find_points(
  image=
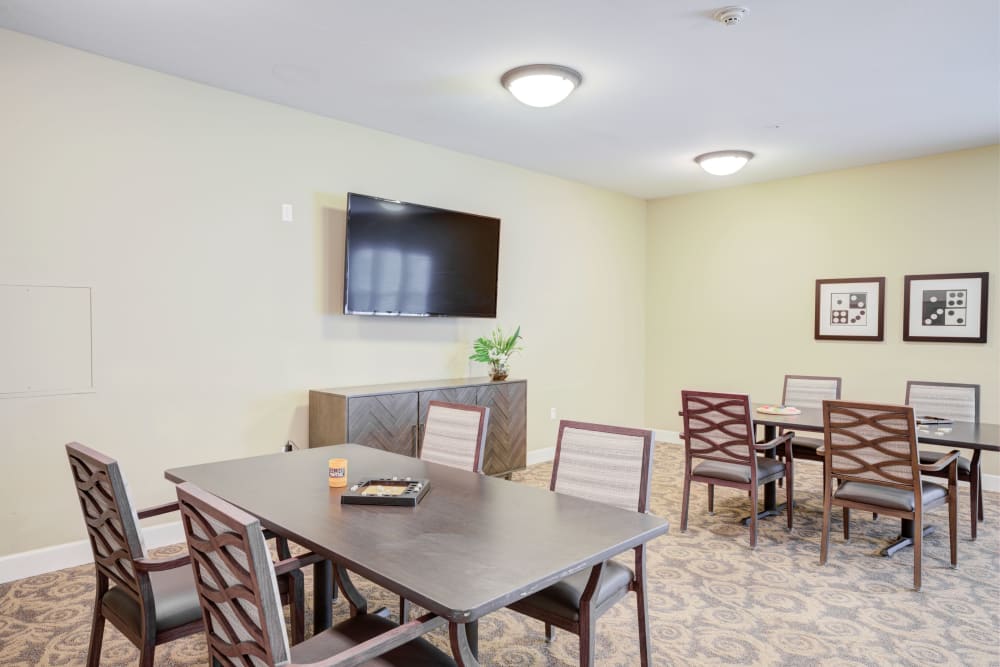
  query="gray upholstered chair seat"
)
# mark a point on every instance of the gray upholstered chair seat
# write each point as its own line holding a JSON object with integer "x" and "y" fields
{"x": 964, "y": 464}
{"x": 886, "y": 496}
{"x": 563, "y": 598}
{"x": 175, "y": 595}
{"x": 352, "y": 632}
{"x": 734, "y": 472}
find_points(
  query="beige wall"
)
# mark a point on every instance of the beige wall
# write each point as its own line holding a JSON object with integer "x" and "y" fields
{"x": 212, "y": 318}
{"x": 731, "y": 279}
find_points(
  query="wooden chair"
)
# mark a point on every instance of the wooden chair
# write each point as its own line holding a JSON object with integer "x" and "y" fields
{"x": 151, "y": 601}
{"x": 809, "y": 391}
{"x": 455, "y": 435}
{"x": 238, "y": 597}
{"x": 872, "y": 451}
{"x": 959, "y": 402}
{"x": 719, "y": 432}
{"x": 611, "y": 465}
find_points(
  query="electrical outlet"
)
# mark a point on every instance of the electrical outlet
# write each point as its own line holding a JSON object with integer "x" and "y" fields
{"x": 552, "y": 413}
{"x": 287, "y": 214}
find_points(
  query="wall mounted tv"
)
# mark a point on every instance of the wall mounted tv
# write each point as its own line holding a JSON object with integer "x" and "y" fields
{"x": 419, "y": 261}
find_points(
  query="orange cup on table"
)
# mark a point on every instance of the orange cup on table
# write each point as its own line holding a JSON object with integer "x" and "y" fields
{"x": 338, "y": 472}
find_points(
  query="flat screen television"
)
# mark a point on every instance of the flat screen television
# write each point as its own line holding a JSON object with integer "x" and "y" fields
{"x": 419, "y": 261}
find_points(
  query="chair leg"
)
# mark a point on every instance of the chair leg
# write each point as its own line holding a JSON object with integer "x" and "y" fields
{"x": 297, "y": 606}
{"x": 918, "y": 539}
{"x": 588, "y": 629}
{"x": 789, "y": 495}
{"x": 824, "y": 544}
{"x": 97, "y": 625}
{"x": 753, "y": 518}
{"x": 146, "y": 653}
{"x": 711, "y": 498}
{"x": 953, "y": 522}
{"x": 847, "y": 524}
{"x": 548, "y": 632}
{"x": 974, "y": 502}
{"x": 979, "y": 485}
{"x": 684, "y": 503}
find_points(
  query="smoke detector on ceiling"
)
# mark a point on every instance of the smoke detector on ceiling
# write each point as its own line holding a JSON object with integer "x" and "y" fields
{"x": 731, "y": 15}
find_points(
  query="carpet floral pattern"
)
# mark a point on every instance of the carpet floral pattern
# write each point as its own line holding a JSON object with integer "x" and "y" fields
{"x": 712, "y": 601}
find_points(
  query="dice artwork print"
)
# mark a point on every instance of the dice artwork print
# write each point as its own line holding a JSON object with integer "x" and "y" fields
{"x": 849, "y": 309}
{"x": 944, "y": 307}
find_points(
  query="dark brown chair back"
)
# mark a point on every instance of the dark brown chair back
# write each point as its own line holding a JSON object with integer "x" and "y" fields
{"x": 235, "y": 579}
{"x": 112, "y": 523}
{"x": 718, "y": 427}
{"x": 871, "y": 443}
{"x": 607, "y": 464}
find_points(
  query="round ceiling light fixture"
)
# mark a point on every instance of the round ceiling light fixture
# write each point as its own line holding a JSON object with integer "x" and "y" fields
{"x": 541, "y": 85}
{"x": 723, "y": 163}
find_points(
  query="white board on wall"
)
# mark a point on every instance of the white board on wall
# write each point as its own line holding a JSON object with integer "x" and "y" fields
{"x": 46, "y": 340}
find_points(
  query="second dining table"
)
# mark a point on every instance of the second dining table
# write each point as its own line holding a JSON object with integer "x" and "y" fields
{"x": 473, "y": 545}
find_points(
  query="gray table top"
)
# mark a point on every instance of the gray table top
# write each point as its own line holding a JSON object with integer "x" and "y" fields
{"x": 967, "y": 435}
{"x": 473, "y": 545}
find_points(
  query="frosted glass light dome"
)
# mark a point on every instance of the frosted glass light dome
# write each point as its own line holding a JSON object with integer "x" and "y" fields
{"x": 541, "y": 85}
{"x": 723, "y": 163}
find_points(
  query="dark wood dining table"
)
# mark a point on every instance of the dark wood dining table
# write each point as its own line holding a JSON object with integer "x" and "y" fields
{"x": 473, "y": 545}
{"x": 977, "y": 437}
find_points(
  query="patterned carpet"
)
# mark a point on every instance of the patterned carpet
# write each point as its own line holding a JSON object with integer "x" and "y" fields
{"x": 713, "y": 601}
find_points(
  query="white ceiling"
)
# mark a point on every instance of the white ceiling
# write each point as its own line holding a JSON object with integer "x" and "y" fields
{"x": 808, "y": 86}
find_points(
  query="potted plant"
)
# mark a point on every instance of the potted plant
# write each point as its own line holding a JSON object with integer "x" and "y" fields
{"x": 496, "y": 350}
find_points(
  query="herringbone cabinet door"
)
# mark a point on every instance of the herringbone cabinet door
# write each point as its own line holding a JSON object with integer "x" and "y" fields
{"x": 460, "y": 395}
{"x": 506, "y": 441}
{"x": 383, "y": 422}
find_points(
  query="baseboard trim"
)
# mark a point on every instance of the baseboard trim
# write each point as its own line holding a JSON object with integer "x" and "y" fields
{"x": 71, "y": 554}
{"x": 543, "y": 455}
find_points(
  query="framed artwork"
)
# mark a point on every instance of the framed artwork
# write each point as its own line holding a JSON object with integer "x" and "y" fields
{"x": 945, "y": 307}
{"x": 849, "y": 309}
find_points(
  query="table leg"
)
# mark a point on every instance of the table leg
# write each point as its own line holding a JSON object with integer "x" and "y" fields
{"x": 472, "y": 635}
{"x": 460, "y": 644}
{"x": 322, "y": 596}
{"x": 905, "y": 538}
{"x": 771, "y": 506}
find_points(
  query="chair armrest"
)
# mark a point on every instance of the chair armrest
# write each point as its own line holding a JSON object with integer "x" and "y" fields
{"x": 383, "y": 643}
{"x": 941, "y": 463}
{"x": 161, "y": 564}
{"x": 156, "y": 510}
{"x": 296, "y": 563}
{"x": 784, "y": 438}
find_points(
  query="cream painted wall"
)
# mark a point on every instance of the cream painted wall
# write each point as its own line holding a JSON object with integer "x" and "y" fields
{"x": 731, "y": 280}
{"x": 212, "y": 318}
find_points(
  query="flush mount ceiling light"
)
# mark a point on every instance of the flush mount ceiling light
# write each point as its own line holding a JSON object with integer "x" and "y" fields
{"x": 541, "y": 85}
{"x": 723, "y": 163}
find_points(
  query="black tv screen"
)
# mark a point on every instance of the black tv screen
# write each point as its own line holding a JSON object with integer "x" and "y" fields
{"x": 408, "y": 259}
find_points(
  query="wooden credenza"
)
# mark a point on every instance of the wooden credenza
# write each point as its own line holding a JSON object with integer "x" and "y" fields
{"x": 390, "y": 416}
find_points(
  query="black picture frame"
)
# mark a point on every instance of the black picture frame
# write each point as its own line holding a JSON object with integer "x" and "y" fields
{"x": 946, "y": 307}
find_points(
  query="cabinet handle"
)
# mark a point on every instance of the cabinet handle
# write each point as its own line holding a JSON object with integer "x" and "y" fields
{"x": 414, "y": 430}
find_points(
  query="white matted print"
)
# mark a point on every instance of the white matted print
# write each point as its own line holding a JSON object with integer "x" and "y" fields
{"x": 849, "y": 309}
{"x": 947, "y": 307}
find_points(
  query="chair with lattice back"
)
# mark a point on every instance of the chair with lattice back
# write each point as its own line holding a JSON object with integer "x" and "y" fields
{"x": 238, "y": 596}
{"x": 719, "y": 433}
{"x": 871, "y": 450}
{"x": 151, "y": 601}
{"x": 455, "y": 435}
{"x": 611, "y": 465}
{"x": 957, "y": 402}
